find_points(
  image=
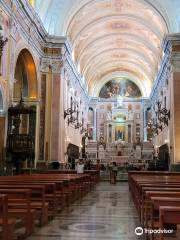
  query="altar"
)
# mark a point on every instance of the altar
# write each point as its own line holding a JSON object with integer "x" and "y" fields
{"x": 120, "y": 160}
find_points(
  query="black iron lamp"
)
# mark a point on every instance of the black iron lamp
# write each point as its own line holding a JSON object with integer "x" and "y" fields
{"x": 154, "y": 126}
{"x": 70, "y": 110}
{"x": 163, "y": 114}
{"x": 3, "y": 42}
{"x": 78, "y": 124}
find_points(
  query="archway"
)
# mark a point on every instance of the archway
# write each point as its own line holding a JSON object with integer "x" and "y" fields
{"x": 25, "y": 77}
{"x": 25, "y": 86}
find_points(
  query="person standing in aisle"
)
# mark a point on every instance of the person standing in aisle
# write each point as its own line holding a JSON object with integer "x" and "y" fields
{"x": 113, "y": 173}
{"x": 80, "y": 166}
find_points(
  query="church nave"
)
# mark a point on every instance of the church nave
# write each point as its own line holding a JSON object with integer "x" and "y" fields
{"x": 106, "y": 213}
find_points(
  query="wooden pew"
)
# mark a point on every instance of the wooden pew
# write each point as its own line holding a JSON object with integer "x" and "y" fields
{"x": 51, "y": 186}
{"x": 95, "y": 175}
{"x": 137, "y": 182}
{"x": 7, "y": 225}
{"x": 156, "y": 203}
{"x": 44, "y": 190}
{"x": 169, "y": 215}
{"x": 71, "y": 189}
{"x": 56, "y": 185}
{"x": 24, "y": 216}
{"x": 152, "y": 191}
{"x": 139, "y": 196}
{"x": 147, "y": 201}
{"x": 37, "y": 198}
{"x": 50, "y": 190}
{"x": 156, "y": 190}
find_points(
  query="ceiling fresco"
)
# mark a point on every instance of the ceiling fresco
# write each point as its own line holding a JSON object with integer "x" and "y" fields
{"x": 120, "y": 87}
{"x": 111, "y": 37}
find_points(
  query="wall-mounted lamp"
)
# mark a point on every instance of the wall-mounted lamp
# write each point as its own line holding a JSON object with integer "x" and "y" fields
{"x": 162, "y": 113}
{"x": 70, "y": 110}
{"x": 154, "y": 126}
{"x": 3, "y": 42}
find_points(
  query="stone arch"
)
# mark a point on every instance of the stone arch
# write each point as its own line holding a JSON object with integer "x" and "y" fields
{"x": 25, "y": 77}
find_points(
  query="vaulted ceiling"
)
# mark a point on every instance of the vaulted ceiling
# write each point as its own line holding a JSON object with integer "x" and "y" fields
{"x": 112, "y": 38}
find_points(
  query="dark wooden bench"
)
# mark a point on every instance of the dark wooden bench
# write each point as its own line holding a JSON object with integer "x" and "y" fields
{"x": 150, "y": 192}
{"x": 37, "y": 198}
{"x": 67, "y": 187}
{"x": 147, "y": 201}
{"x": 7, "y": 225}
{"x": 136, "y": 183}
{"x": 169, "y": 215}
{"x": 19, "y": 208}
{"x": 48, "y": 193}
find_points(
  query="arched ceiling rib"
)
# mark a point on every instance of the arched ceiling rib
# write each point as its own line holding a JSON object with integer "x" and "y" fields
{"x": 110, "y": 59}
{"x": 115, "y": 22}
{"x": 117, "y": 40}
{"x": 118, "y": 64}
{"x": 114, "y": 53}
{"x": 116, "y": 18}
{"x": 111, "y": 36}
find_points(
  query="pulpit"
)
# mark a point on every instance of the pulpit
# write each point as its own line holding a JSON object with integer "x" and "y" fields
{"x": 21, "y": 135}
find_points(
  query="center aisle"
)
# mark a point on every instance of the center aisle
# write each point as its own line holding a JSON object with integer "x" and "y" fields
{"x": 106, "y": 213}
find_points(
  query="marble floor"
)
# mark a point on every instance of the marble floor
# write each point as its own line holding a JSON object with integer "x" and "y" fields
{"x": 106, "y": 213}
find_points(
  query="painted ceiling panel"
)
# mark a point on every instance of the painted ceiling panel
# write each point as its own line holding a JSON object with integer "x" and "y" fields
{"x": 101, "y": 18}
{"x": 111, "y": 37}
{"x": 118, "y": 40}
{"x": 128, "y": 48}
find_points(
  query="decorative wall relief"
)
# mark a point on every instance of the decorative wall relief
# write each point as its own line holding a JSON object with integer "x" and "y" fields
{"x": 120, "y": 87}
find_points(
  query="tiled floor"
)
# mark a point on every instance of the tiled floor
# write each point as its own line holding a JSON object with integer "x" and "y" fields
{"x": 107, "y": 213}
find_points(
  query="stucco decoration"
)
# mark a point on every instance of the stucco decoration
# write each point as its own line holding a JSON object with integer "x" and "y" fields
{"x": 55, "y": 65}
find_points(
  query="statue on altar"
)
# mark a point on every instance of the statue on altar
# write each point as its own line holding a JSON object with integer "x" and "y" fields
{"x": 130, "y": 115}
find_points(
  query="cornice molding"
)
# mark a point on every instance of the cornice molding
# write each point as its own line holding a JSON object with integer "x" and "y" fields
{"x": 164, "y": 71}
{"x": 170, "y": 63}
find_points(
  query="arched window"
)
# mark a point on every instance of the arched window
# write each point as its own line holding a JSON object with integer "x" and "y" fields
{"x": 25, "y": 76}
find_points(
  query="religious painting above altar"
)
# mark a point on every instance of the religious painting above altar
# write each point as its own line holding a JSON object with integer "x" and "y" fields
{"x": 120, "y": 87}
{"x": 120, "y": 133}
